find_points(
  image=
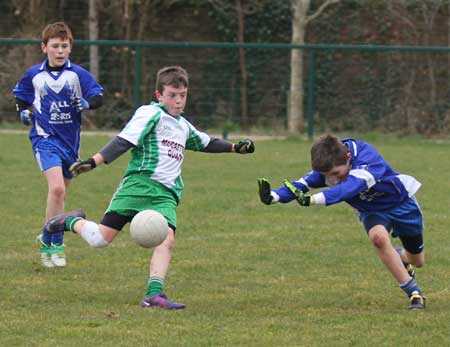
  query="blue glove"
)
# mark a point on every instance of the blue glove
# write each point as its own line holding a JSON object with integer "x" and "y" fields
{"x": 26, "y": 116}
{"x": 80, "y": 104}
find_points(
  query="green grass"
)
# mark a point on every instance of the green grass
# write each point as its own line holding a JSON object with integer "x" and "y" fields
{"x": 251, "y": 275}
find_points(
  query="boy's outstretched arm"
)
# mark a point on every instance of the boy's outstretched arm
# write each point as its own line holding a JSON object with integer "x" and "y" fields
{"x": 114, "y": 149}
{"x": 217, "y": 145}
{"x": 286, "y": 193}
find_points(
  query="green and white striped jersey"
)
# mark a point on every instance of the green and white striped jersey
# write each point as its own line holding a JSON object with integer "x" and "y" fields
{"x": 160, "y": 141}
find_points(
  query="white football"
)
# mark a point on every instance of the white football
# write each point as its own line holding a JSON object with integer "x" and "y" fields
{"x": 148, "y": 228}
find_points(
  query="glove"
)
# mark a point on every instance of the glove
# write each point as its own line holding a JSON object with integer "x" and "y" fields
{"x": 302, "y": 198}
{"x": 244, "y": 147}
{"x": 80, "y": 104}
{"x": 82, "y": 166}
{"x": 25, "y": 117}
{"x": 264, "y": 191}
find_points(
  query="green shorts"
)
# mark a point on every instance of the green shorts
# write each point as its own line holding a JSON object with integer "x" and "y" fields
{"x": 138, "y": 192}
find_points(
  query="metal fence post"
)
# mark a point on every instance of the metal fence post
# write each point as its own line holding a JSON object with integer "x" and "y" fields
{"x": 137, "y": 75}
{"x": 311, "y": 89}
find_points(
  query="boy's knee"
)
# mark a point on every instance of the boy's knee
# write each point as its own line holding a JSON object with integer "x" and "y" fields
{"x": 58, "y": 191}
{"x": 92, "y": 235}
{"x": 169, "y": 242}
{"x": 418, "y": 260}
{"x": 379, "y": 237}
{"x": 420, "y": 263}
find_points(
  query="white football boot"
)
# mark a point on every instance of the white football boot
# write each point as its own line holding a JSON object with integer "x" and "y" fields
{"x": 58, "y": 256}
{"x": 45, "y": 252}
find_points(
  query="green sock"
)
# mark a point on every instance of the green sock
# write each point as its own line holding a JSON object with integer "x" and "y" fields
{"x": 70, "y": 222}
{"x": 155, "y": 286}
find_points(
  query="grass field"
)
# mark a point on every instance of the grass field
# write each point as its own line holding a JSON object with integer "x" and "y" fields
{"x": 250, "y": 275}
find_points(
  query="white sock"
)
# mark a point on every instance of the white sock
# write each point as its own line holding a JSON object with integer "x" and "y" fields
{"x": 92, "y": 235}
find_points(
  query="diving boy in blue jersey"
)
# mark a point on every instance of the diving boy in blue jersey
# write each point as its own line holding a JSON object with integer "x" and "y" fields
{"x": 59, "y": 92}
{"x": 385, "y": 200}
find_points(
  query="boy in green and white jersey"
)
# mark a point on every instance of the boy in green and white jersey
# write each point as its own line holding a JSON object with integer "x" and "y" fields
{"x": 158, "y": 136}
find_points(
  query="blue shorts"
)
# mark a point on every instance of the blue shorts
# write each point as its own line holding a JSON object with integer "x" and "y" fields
{"x": 404, "y": 222}
{"x": 49, "y": 152}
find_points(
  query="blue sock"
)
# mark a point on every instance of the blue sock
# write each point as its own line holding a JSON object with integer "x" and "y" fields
{"x": 58, "y": 238}
{"x": 46, "y": 237}
{"x": 410, "y": 286}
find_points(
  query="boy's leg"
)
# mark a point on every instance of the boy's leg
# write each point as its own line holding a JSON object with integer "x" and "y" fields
{"x": 159, "y": 264}
{"x": 56, "y": 192}
{"x": 55, "y": 205}
{"x": 413, "y": 249}
{"x": 128, "y": 200}
{"x": 417, "y": 260}
{"x": 162, "y": 254}
{"x": 407, "y": 223}
{"x": 96, "y": 235}
{"x": 58, "y": 255}
{"x": 379, "y": 237}
{"x": 410, "y": 268}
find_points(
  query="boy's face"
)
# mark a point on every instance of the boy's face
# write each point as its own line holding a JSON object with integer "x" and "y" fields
{"x": 57, "y": 50}
{"x": 338, "y": 173}
{"x": 173, "y": 98}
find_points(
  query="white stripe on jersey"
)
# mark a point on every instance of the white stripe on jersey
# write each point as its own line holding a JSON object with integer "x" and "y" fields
{"x": 364, "y": 175}
{"x": 302, "y": 181}
{"x": 410, "y": 183}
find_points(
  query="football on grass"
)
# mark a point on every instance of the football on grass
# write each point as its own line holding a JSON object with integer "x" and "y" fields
{"x": 148, "y": 228}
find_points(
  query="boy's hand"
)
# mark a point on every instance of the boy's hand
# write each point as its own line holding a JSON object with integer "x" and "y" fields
{"x": 80, "y": 104}
{"x": 244, "y": 147}
{"x": 264, "y": 191}
{"x": 26, "y": 116}
{"x": 302, "y": 198}
{"x": 82, "y": 166}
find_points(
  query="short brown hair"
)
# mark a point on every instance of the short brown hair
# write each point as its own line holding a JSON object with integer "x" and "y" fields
{"x": 57, "y": 30}
{"x": 174, "y": 76}
{"x": 328, "y": 151}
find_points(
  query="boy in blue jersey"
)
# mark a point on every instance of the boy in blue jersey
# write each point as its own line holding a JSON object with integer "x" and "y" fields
{"x": 384, "y": 199}
{"x": 59, "y": 92}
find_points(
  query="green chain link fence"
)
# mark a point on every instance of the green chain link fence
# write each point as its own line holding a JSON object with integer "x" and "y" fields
{"x": 347, "y": 88}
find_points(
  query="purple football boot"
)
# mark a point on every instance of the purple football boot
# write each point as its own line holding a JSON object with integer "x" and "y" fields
{"x": 58, "y": 223}
{"x": 161, "y": 301}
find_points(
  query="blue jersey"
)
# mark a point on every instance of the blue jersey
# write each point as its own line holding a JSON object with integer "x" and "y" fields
{"x": 51, "y": 94}
{"x": 372, "y": 185}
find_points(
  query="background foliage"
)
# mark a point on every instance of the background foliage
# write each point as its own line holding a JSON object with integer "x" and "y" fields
{"x": 400, "y": 91}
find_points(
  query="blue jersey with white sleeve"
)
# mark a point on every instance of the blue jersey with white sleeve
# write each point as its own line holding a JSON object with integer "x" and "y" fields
{"x": 51, "y": 93}
{"x": 372, "y": 185}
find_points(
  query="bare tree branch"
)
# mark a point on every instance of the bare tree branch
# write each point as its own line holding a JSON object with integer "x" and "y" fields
{"x": 320, "y": 10}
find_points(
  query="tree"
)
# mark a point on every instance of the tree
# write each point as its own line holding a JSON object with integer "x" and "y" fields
{"x": 300, "y": 21}
{"x": 93, "y": 35}
{"x": 240, "y": 10}
{"x": 420, "y": 19}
